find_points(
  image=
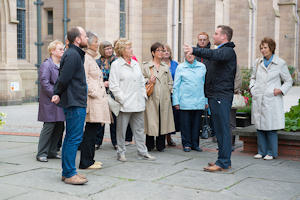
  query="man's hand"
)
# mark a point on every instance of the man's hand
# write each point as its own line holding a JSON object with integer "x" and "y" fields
{"x": 55, "y": 99}
{"x": 206, "y": 106}
{"x": 188, "y": 49}
{"x": 177, "y": 107}
{"x": 277, "y": 92}
{"x": 106, "y": 84}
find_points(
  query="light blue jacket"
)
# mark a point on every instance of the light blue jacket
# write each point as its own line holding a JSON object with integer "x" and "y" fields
{"x": 188, "y": 88}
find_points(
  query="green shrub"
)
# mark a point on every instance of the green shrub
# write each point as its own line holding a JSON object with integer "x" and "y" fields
{"x": 2, "y": 116}
{"x": 292, "y": 118}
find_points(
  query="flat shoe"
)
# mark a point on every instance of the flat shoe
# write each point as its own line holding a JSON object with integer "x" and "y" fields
{"x": 55, "y": 157}
{"x": 80, "y": 175}
{"x": 186, "y": 149}
{"x": 171, "y": 143}
{"x": 42, "y": 159}
{"x": 214, "y": 168}
{"x": 212, "y": 164}
{"x": 197, "y": 149}
{"x": 95, "y": 166}
{"x": 75, "y": 180}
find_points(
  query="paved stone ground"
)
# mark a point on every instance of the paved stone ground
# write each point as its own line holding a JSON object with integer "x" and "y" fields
{"x": 174, "y": 175}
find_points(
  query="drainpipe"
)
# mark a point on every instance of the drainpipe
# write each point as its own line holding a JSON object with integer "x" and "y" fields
{"x": 173, "y": 26}
{"x": 39, "y": 42}
{"x": 297, "y": 41}
{"x": 65, "y": 19}
{"x": 253, "y": 30}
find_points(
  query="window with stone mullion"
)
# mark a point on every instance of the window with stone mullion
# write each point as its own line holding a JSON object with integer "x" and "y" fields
{"x": 122, "y": 19}
{"x": 21, "y": 29}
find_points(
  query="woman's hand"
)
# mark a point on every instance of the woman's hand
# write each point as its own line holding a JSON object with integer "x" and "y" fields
{"x": 106, "y": 84}
{"x": 277, "y": 92}
{"x": 177, "y": 107}
{"x": 152, "y": 79}
{"x": 206, "y": 106}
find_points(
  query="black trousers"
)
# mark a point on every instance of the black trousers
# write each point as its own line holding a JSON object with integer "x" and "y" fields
{"x": 160, "y": 139}
{"x": 190, "y": 127}
{"x": 87, "y": 146}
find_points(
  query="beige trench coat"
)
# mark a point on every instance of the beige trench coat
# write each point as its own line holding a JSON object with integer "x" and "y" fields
{"x": 267, "y": 109}
{"x": 97, "y": 103}
{"x": 161, "y": 96}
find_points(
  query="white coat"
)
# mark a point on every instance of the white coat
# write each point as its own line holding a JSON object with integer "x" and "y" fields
{"x": 127, "y": 84}
{"x": 267, "y": 109}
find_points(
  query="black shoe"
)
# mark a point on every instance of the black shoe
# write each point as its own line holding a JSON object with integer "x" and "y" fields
{"x": 197, "y": 149}
{"x": 97, "y": 146}
{"x": 55, "y": 157}
{"x": 42, "y": 159}
{"x": 115, "y": 147}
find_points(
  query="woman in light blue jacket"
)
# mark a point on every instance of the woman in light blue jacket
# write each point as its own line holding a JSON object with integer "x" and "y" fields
{"x": 188, "y": 97}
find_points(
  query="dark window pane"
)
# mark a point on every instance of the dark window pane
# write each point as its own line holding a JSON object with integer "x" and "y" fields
{"x": 21, "y": 3}
{"x": 122, "y": 5}
{"x": 21, "y": 34}
{"x": 122, "y": 25}
{"x": 50, "y": 22}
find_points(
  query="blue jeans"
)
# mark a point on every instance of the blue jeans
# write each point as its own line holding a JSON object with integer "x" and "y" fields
{"x": 220, "y": 111}
{"x": 75, "y": 117}
{"x": 190, "y": 122}
{"x": 267, "y": 143}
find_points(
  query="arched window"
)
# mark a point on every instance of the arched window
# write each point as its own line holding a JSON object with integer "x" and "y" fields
{"x": 21, "y": 29}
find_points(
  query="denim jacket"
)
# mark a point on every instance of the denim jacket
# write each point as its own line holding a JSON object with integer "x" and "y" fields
{"x": 188, "y": 89}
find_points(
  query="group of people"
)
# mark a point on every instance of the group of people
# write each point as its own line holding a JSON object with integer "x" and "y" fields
{"x": 78, "y": 88}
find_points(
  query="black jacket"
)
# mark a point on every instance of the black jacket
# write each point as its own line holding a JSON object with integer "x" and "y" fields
{"x": 71, "y": 83}
{"x": 207, "y": 64}
{"x": 221, "y": 72}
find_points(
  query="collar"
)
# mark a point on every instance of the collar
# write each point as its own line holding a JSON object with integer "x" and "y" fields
{"x": 221, "y": 45}
{"x": 123, "y": 62}
{"x": 78, "y": 49}
{"x": 189, "y": 65}
{"x": 91, "y": 52}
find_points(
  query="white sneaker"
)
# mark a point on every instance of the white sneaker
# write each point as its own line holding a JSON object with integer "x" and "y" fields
{"x": 258, "y": 156}
{"x": 147, "y": 157}
{"x": 122, "y": 158}
{"x": 267, "y": 157}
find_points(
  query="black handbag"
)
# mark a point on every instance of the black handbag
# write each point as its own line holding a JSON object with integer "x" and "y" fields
{"x": 206, "y": 130}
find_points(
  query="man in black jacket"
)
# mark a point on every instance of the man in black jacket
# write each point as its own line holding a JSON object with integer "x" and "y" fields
{"x": 70, "y": 92}
{"x": 219, "y": 91}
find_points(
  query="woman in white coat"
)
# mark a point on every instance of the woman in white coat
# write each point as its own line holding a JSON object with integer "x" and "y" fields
{"x": 270, "y": 80}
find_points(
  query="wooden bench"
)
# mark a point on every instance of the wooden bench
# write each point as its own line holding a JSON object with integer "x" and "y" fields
{"x": 288, "y": 142}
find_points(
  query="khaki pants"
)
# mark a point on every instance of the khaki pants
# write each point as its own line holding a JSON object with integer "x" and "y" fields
{"x": 136, "y": 121}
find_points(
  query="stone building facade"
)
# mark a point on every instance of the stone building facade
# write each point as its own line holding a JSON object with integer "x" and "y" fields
{"x": 143, "y": 22}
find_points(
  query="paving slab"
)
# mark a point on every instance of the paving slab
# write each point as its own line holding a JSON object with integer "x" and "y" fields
{"x": 201, "y": 180}
{"x": 10, "y": 191}
{"x": 271, "y": 173}
{"x": 139, "y": 171}
{"x": 45, "y": 195}
{"x": 49, "y": 180}
{"x": 267, "y": 189}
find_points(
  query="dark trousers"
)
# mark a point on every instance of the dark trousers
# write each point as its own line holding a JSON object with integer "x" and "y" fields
{"x": 49, "y": 137}
{"x": 113, "y": 133}
{"x": 190, "y": 123}
{"x": 232, "y": 124}
{"x": 159, "y": 140}
{"x": 220, "y": 110}
{"x": 87, "y": 146}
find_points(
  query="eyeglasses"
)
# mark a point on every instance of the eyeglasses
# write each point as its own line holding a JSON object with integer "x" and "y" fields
{"x": 160, "y": 50}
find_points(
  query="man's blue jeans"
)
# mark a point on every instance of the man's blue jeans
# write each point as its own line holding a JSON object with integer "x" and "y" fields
{"x": 267, "y": 142}
{"x": 75, "y": 117}
{"x": 220, "y": 111}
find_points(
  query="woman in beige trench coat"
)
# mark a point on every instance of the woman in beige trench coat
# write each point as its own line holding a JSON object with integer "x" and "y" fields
{"x": 159, "y": 119}
{"x": 97, "y": 105}
{"x": 267, "y": 98}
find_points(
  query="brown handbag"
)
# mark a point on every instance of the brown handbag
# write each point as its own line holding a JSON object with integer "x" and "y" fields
{"x": 150, "y": 85}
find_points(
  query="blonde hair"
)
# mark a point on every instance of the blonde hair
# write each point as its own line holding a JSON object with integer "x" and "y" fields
{"x": 121, "y": 46}
{"x": 53, "y": 44}
{"x": 169, "y": 50}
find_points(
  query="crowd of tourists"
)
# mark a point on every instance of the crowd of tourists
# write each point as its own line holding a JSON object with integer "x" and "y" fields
{"x": 88, "y": 84}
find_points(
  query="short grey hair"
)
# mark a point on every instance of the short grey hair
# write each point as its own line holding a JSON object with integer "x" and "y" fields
{"x": 91, "y": 37}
